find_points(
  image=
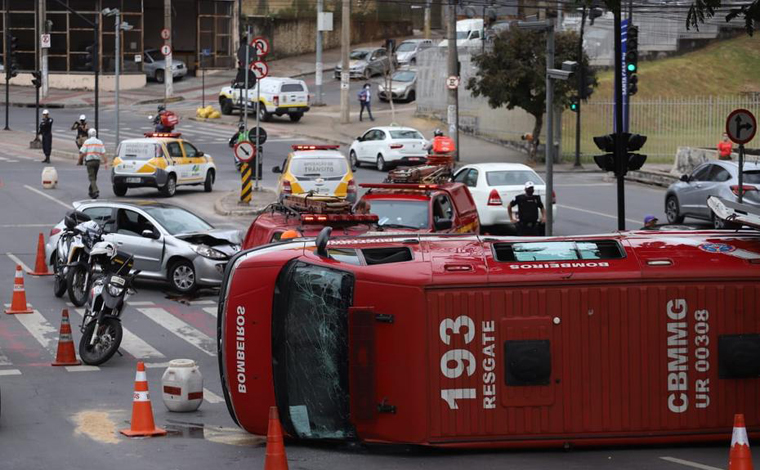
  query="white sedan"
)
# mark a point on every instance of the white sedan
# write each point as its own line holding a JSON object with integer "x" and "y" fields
{"x": 386, "y": 146}
{"x": 494, "y": 185}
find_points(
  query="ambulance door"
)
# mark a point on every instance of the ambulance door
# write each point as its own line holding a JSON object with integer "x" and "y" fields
{"x": 177, "y": 159}
{"x": 194, "y": 162}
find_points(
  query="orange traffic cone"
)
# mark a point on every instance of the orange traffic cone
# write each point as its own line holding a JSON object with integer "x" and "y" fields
{"x": 40, "y": 265}
{"x": 275, "y": 457}
{"x": 66, "y": 355}
{"x": 18, "y": 302}
{"x": 142, "y": 411}
{"x": 740, "y": 457}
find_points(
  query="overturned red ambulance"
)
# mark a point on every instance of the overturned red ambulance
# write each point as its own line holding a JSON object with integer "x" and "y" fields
{"x": 467, "y": 341}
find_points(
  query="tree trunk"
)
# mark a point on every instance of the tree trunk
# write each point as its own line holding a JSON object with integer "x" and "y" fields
{"x": 539, "y": 121}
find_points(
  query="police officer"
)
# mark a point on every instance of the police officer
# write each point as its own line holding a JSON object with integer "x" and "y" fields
{"x": 46, "y": 132}
{"x": 528, "y": 205}
{"x": 91, "y": 153}
{"x": 81, "y": 127}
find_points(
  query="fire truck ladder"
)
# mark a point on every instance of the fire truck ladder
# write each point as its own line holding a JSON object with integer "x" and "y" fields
{"x": 437, "y": 170}
{"x": 317, "y": 204}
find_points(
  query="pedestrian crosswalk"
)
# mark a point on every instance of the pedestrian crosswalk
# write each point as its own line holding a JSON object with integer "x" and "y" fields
{"x": 35, "y": 337}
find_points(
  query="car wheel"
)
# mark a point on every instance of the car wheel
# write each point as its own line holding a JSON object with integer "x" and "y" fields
{"x": 381, "y": 165}
{"x": 672, "y": 212}
{"x": 295, "y": 117}
{"x": 182, "y": 277}
{"x": 264, "y": 116}
{"x": 119, "y": 190}
{"x": 170, "y": 187}
{"x": 367, "y": 74}
{"x": 208, "y": 185}
{"x": 413, "y": 62}
{"x": 353, "y": 160}
{"x": 160, "y": 76}
{"x": 226, "y": 106}
{"x": 412, "y": 96}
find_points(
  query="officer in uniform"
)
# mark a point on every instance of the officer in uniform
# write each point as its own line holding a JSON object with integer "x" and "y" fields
{"x": 528, "y": 205}
{"x": 91, "y": 153}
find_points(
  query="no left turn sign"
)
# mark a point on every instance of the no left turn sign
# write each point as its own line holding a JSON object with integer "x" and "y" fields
{"x": 245, "y": 151}
{"x": 741, "y": 126}
{"x": 260, "y": 69}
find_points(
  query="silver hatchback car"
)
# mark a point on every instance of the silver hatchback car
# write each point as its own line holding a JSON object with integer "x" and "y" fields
{"x": 688, "y": 196}
{"x": 169, "y": 243}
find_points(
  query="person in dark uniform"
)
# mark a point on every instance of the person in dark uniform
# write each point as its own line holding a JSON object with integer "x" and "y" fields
{"x": 81, "y": 127}
{"x": 528, "y": 205}
{"x": 46, "y": 132}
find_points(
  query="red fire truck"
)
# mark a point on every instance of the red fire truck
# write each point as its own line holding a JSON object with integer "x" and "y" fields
{"x": 467, "y": 341}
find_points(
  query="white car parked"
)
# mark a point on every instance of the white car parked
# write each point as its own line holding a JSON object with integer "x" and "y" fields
{"x": 494, "y": 185}
{"x": 385, "y": 146}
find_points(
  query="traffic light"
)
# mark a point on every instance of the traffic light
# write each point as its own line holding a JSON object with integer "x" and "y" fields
{"x": 631, "y": 162}
{"x": 632, "y": 59}
{"x": 12, "y": 47}
{"x": 91, "y": 59}
{"x": 574, "y": 104}
{"x": 588, "y": 82}
{"x": 37, "y": 79}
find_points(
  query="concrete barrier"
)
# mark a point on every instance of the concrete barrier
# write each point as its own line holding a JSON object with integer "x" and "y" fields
{"x": 688, "y": 158}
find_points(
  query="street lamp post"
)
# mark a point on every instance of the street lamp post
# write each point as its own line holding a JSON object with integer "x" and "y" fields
{"x": 119, "y": 27}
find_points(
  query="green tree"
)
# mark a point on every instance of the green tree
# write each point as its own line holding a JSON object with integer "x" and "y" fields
{"x": 513, "y": 74}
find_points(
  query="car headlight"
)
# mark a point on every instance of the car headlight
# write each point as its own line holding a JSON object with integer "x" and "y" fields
{"x": 208, "y": 252}
{"x": 356, "y": 68}
{"x": 114, "y": 291}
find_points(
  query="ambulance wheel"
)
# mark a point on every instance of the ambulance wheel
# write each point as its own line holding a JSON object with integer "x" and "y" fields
{"x": 160, "y": 76}
{"x": 353, "y": 160}
{"x": 381, "y": 165}
{"x": 208, "y": 185}
{"x": 672, "y": 212}
{"x": 295, "y": 117}
{"x": 119, "y": 190}
{"x": 182, "y": 277}
{"x": 170, "y": 187}
{"x": 226, "y": 106}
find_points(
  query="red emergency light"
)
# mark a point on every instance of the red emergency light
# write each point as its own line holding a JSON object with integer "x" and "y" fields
{"x": 298, "y": 147}
{"x": 419, "y": 187}
{"x": 334, "y": 218}
{"x": 163, "y": 134}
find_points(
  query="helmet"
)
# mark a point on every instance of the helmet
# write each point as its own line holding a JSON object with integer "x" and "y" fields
{"x": 528, "y": 184}
{"x": 241, "y": 126}
{"x": 92, "y": 132}
{"x": 45, "y": 111}
{"x": 82, "y": 117}
{"x": 438, "y": 133}
{"x": 161, "y": 108}
{"x": 104, "y": 248}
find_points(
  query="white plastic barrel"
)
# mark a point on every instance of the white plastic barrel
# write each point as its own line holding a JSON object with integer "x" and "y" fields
{"x": 182, "y": 386}
{"x": 49, "y": 177}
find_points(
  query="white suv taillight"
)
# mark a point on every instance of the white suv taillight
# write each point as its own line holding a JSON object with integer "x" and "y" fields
{"x": 494, "y": 199}
{"x": 286, "y": 189}
{"x": 397, "y": 146}
{"x": 276, "y": 100}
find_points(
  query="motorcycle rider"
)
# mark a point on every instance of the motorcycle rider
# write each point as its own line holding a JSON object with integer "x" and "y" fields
{"x": 81, "y": 127}
{"x": 239, "y": 136}
{"x": 158, "y": 120}
{"x": 441, "y": 145}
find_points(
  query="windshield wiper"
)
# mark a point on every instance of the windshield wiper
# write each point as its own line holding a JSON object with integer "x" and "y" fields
{"x": 397, "y": 226}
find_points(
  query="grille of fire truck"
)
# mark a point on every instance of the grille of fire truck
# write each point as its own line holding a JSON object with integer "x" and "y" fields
{"x": 438, "y": 169}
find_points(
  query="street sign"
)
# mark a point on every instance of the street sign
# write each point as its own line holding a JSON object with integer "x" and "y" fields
{"x": 205, "y": 52}
{"x": 166, "y": 50}
{"x": 165, "y": 34}
{"x": 261, "y": 45}
{"x": 45, "y": 41}
{"x": 245, "y": 151}
{"x": 138, "y": 58}
{"x": 741, "y": 126}
{"x": 251, "y": 53}
{"x": 260, "y": 69}
{"x": 452, "y": 82}
{"x": 262, "y": 135}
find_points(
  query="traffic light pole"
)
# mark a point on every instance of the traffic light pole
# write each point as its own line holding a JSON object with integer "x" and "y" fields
{"x": 581, "y": 85}
{"x": 96, "y": 66}
{"x": 620, "y": 143}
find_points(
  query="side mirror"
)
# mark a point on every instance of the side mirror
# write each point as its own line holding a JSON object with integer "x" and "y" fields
{"x": 150, "y": 234}
{"x": 685, "y": 178}
{"x": 276, "y": 169}
{"x": 443, "y": 224}
{"x": 360, "y": 139}
{"x": 200, "y": 153}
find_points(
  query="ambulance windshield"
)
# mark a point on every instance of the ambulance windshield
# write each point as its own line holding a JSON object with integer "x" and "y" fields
{"x": 310, "y": 350}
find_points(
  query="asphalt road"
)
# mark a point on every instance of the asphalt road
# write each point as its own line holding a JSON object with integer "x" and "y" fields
{"x": 55, "y": 418}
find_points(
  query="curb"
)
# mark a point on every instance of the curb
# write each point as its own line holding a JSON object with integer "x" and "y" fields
{"x": 653, "y": 178}
{"x": 303, "y": 74}
{"x": 173, "y": 99}
{"x": 47, "y": 105}
{"x": 254, "y": 209}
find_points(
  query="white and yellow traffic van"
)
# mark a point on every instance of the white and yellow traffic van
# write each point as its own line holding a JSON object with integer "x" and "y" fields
{"x": 279, "y": 96}
{"x": 163, "y": 161}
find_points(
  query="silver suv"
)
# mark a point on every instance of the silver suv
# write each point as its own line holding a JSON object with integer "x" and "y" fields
{"x": 688, "y": 197}
{"x": 407, "y": 51}
{"x": 154, "y": 65}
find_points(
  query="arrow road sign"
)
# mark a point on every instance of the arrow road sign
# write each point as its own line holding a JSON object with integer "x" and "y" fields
{"x": 741, "y": 126}
{"x": 245, "y": 151}
{"x": 260, "y": 69}
{"x": 261, "y": 45}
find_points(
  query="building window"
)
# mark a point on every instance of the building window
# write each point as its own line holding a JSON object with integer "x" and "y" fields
{"x": 215, "y": 33}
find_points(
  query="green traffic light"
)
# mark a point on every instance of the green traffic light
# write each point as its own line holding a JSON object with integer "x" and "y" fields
{"x": 632, "y": 68}
{"x": 573, "y": 106}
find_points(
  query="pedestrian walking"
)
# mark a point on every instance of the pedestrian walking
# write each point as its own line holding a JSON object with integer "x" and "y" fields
{"x": 46, "y": 132}
{"x": 528, "y": 205}
{"x": 725, "y": 147}
{"x": 650, "y": 223}
{"x": 365, "y": 99}
{"x": 81, "y": 127}
{"x": 91, "y": 154}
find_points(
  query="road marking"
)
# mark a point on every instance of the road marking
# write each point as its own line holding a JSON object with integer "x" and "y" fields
{"x": 10, "y": 372}
{"x": 4, "y": 361}
{"x": 181, "y": 329}
{"x": 211, "y": 311}
{"x": 204, "y": 302}
{"x": 67, "y": 206}
{"x": 82, "y": 368}
{"x": 140, "y": 303}
{"x": 27, "y": 225}
{"x": 579, "y": 185}
{"x": 156, "y": 365}
{"x": 211, "y": 397}
{"x": 16, "y": 260}
{"x": 8, "y": 160}
{"x": 131, "y": 343}
{"x": 600, "y": 214}
{"x": 689, "y": 463}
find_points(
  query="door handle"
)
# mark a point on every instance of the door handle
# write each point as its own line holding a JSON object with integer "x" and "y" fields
{"x": 119, "y": 243}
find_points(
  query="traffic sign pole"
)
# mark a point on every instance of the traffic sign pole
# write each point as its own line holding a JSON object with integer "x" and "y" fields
{"x": 258, "y": 157}
{"x": 245, "y": 190}
{"x": 741, "y": 127}
{"x": 741, "y": 173}
{"x": 247, "y": 64}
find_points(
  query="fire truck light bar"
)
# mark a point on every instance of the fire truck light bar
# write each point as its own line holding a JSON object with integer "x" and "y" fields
{"x": 420, "y": 187}
{"x": 328, "y": 218}
{"x": 314, "y": 147}
{"x": 163, "y": 134}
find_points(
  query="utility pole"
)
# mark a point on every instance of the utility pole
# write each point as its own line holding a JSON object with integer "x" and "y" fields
{"x": 453, "y": 108}
{"x": 581, "y": 85}
{"x": 318, "y": 76}
{"x": 117, "y": 69}
{"x": 44, "y": 52}
{"x": 549, "y": 127}
{"x": 427, "y": 19}
{"x": 168, "y": 75}
{"x": 345, "y": 76}
{"x": 620, "y": 143}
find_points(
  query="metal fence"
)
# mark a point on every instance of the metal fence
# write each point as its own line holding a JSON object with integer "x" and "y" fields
{"x": 668, "y": 123}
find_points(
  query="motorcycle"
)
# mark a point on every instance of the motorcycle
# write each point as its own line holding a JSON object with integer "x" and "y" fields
{"x": 84, "y": 264}
{"x": 63, "y": 251}
{"x": 165, "y": 121}
{"x": 101, "y": 323}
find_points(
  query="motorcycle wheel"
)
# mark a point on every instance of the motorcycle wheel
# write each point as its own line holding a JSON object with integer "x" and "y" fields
{"x": 75, "y": 284}
{"x": 109, "y": 339}
{"x": 59, "y": 282}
